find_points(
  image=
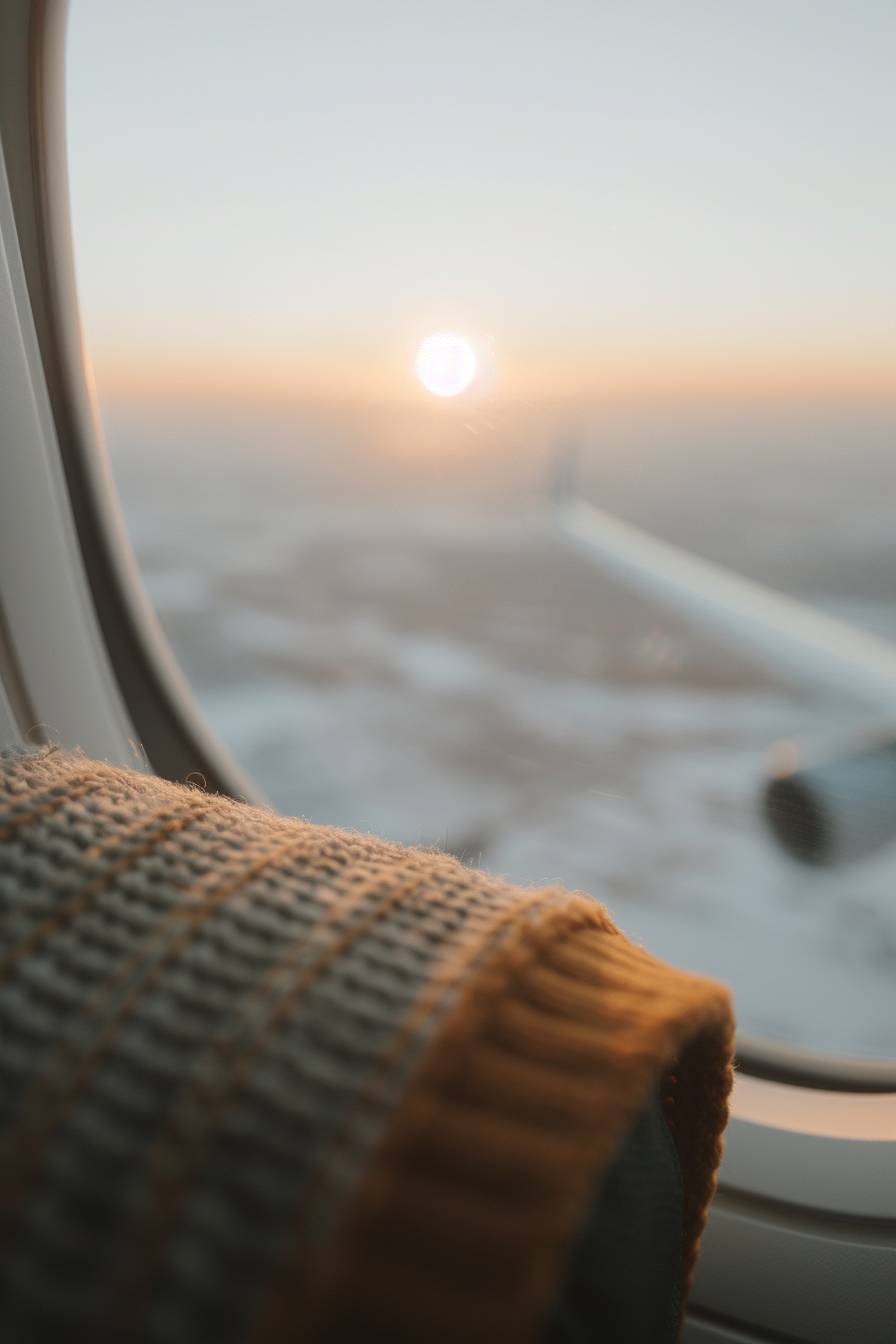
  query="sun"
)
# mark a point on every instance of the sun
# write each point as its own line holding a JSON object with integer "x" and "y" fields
{"x": 446, "y": 364}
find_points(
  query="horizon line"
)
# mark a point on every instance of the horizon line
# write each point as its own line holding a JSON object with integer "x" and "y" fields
{"x": 523, "y": 379}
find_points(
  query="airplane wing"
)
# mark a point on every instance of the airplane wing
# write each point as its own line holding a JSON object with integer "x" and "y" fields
{"x": 822, "y": 809}
{"x": 786, "y": 635}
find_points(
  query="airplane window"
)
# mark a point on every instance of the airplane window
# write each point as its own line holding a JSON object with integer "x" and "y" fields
{"x": 395, "y": 312}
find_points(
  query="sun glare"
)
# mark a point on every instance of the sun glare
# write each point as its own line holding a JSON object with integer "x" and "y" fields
{"x": 446, "y": 364}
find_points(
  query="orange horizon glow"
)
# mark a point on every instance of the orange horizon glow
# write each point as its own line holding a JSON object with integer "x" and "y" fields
{"x": 611, "y": 210}
{"x": 364, "y": 378}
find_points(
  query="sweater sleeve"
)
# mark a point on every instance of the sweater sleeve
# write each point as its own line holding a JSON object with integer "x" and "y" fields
{"x": 262, "y": 1080}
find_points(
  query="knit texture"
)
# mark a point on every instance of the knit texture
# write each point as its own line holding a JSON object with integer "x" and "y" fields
{"x": 263, "y": 1080}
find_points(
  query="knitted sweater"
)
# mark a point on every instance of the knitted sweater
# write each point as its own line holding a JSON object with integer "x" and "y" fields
{"x": 266, "y": 1080}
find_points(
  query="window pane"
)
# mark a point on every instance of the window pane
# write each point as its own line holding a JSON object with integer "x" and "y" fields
{"x": 666, "y": 241}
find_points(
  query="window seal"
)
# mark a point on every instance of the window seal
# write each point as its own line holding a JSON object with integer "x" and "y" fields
{"x": 158, "y": 700}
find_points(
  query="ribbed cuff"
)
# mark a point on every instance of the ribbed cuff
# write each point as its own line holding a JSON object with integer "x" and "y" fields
{"x": 462, "y": 1222}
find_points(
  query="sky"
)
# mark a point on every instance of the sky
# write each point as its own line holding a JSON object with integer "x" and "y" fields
{"x": 605, "y": 197}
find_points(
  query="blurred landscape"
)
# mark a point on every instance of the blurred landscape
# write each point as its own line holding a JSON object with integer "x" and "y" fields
{"x": 378, "y": 618}
{"x": 669, "y": 245}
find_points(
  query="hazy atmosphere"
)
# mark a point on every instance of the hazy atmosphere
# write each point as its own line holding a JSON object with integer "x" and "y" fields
{"x": 665, "y": 236}
{"x": 605, "y": 193}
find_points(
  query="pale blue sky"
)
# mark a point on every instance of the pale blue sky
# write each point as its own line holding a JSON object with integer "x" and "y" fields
{"x": 290, "y": 177}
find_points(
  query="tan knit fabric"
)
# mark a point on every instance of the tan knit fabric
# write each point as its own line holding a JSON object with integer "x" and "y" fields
{"x": 266, "y": 1080}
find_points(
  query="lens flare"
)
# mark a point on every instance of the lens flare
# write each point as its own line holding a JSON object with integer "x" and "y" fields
{"x": 446, "y": 364}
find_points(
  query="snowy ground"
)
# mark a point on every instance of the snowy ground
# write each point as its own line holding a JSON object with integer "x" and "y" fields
{"x": 435, "y": 665}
